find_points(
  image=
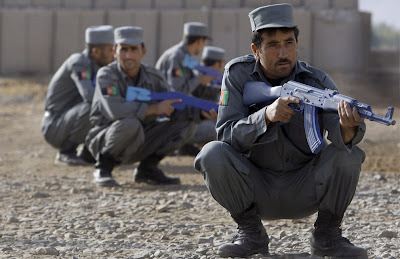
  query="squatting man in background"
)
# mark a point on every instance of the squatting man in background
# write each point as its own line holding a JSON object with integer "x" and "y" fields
{"x": 69, "y": 97}
{"x": 176, "y": 65}
{"x": 127, "y": 131}
{"x": 213, "y": 58}
{"x": 261, "y": 167}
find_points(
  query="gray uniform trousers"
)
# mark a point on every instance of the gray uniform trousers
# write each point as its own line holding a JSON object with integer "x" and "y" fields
{"x": 127, "y": 141}
{"x": 72, "y": 125}
{"x": 328, "y": 182}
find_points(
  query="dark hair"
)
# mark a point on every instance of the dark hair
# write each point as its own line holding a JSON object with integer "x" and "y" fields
{"x": 209, "y": 62}
{"x": 256, "y": 37}
{"x": 188, "y": 40}
{"x": 115, "y": 45}
{"x": 90, "y": 46}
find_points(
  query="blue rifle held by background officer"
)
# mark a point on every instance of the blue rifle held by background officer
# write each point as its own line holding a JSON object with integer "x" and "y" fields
{"x": 192, "y": 63}
{"x": 140, "y": 94}
{"x": 311, "y": 99}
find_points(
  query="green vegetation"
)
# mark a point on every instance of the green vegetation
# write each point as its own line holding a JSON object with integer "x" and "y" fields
{"x": 385, "y": 37}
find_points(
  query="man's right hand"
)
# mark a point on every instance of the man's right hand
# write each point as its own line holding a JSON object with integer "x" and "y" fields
{"x": 162, "y": 108}
{"x": 280, "y": 110}
{"x": 206, "y": 80}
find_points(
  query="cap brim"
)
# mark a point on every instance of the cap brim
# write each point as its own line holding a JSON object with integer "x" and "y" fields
{"x": 277, "y": 25}
{"x": 129, "y": 42}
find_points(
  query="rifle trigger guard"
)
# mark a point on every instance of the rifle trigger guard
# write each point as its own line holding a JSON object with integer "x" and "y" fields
{"x": 297, "y": 107}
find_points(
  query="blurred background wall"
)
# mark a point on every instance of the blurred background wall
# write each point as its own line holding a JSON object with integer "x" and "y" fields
{"x": 36, "y": 36}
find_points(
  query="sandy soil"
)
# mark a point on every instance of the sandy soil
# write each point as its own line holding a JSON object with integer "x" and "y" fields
{"x": 25, "y": 155}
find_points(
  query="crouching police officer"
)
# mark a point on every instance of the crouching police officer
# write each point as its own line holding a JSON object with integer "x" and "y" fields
{"x": 127, "y": 131}
{"x": 69, "y": 96}
{"x": 262, "y": 169}
{"x": 213, "y": 58}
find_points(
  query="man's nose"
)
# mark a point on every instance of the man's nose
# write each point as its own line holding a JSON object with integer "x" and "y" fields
{"x": 283, "y": 52}
{"x": 129, "y": 54}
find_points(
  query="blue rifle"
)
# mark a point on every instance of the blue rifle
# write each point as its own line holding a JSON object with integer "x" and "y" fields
{"x": 192, "y": 63}
{"x": 140, "y": 94}
{"x": 311, "y": 99}
{"x": 210, "y": 71}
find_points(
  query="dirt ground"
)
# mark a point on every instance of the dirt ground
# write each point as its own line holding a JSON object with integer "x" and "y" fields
{"x": 25, "y": 155}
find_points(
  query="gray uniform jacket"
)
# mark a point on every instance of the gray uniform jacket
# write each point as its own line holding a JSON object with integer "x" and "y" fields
{"x": 68, "y": 102}
{"x": 179, "y": 77}
{"x": 72, "y": 83}
{"x": 121, "y": 128}
{"x": 277, "y": 148}
{"x": 109, "y": 99}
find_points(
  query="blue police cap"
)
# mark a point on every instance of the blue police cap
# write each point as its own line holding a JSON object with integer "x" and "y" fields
{"x": 196, "y": 29}
{"x": 99, "y": 34}
{"x": 213, "y": 53}
{"x": 128, "y": 35}
{"x": 272, "y": 16}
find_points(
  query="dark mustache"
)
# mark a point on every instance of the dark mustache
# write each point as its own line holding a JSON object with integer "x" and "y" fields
{"x": 283, "y": 60}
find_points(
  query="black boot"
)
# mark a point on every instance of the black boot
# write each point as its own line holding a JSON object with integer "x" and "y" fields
{"x": 148, "y": 172}
{"x": 103, "y": 168}
{"x": 251, "y": 238}
{"x": 67, "y": 155}
{"x": 327, "y": 239}
{"x": 86, "y": 156}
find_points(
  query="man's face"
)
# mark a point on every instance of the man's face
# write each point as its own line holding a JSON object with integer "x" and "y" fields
{"x": 201, "y": 43}
{"x": 104, "y": 55}
{"x": 277, "y": 54}
{"x": 129, "y": 57}
{"x": 219, "y": 66}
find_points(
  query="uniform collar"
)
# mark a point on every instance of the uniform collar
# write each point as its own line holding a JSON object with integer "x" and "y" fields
{"x": 141, "y": 77}
{"x": 183, "y": 47}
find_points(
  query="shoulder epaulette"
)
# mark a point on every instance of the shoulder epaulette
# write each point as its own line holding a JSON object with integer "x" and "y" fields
{"x": 243, "y": 59}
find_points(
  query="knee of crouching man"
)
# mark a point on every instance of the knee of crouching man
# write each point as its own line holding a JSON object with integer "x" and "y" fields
{"x": 209, "y": 156}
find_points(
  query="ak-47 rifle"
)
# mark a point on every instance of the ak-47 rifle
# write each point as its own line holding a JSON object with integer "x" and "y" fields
{"x": 311, "y": 99}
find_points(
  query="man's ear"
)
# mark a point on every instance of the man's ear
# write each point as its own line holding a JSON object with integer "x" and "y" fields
{"x": 144, "y": 50}
{"x": 256, "y": 51}
{"x": 115, "y": 51}
{"x": 96, "y": 52}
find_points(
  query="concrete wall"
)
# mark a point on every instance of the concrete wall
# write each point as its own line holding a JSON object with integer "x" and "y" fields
{"x": 338, "y": 41}
{"x": 174, "y": 4}
{"x": 26, "y": 41}
{"x": 51, "y": 30}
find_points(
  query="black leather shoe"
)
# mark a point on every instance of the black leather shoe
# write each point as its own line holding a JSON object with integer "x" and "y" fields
{"x": 69, "y": 159}
{"x": 103, "y": 177}
{"x": 251, "y": 238}
{"x": 327, "y": 239}
{"x": 86, "y": 156}
{"x": 153, "y": 176}
{"x": 330, "y": 242}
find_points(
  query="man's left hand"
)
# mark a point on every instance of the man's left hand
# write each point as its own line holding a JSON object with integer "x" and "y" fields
{"x": 211, "y": 115}
{"x": 348, "y": 117}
